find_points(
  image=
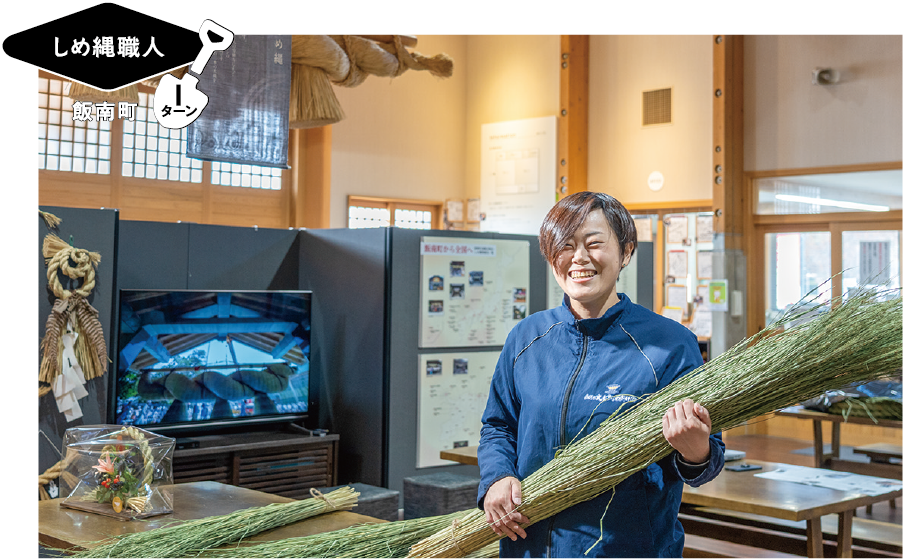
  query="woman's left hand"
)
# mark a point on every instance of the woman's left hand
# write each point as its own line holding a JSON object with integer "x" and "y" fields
{"x": 687, "y": 426}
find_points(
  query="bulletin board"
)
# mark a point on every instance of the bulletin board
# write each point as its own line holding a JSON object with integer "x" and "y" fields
{"x": 452, "y": 392}
{"x": 472, "y": 291}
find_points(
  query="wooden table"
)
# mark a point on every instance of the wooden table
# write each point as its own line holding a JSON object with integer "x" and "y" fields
{"x": 832, "y": 459}
{"x": 67, "y": 528}
{"x": 463, "y": 455}
{"x": 744, "y": 492}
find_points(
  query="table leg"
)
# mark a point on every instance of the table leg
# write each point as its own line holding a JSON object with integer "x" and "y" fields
{"x": 845, "y": 534}
{"x": 819, "y": 445}
{"x": 835, "y": 442}
{"x": 815, "y": 546}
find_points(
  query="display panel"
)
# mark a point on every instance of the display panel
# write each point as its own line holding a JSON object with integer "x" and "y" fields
{"x": 205, "y": 358}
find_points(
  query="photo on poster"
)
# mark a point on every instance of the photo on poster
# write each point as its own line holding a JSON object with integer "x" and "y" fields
{"x": 457, "y": 268}
{"x": 460, "y": 444}
{"x": 476, "y": 278}
{"x": 459, "y": 366}
{"x": 456, "y": 290}
{"x": 520, "y": 312}
{"x": 433, "y": 367}
{"x": 520, "y": 295}
{"x": 435, "y": 307}
{"x": 437, "y": 283}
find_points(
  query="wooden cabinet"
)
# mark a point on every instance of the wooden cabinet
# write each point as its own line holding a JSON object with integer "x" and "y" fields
{"x": 286, "y": 464}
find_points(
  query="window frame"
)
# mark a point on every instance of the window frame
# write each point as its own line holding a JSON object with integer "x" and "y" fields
{"x": 392, "y": 204}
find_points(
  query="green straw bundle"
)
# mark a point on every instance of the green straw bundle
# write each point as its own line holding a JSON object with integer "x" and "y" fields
{"x": 856, "y": 341}
{"x": 385, "y": 539}
{"x": 188, "y": 538}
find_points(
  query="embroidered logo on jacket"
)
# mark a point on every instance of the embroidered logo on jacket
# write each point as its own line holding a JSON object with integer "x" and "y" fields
{"x": 611, "y": 395}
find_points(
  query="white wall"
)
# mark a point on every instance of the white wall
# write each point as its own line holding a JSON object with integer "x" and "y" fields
{"x": 510, "y": 77}
{"x": 790, "y": 123}
{"x": 622, "y": 153}
{"x": 402, "y": 137}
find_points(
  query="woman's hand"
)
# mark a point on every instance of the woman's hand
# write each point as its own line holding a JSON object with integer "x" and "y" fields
{"x": 502, "y": 498}
{"x": 687, "y": 426}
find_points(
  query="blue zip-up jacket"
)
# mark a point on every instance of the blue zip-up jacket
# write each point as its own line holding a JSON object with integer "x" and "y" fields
{"x": 553, "y": 372}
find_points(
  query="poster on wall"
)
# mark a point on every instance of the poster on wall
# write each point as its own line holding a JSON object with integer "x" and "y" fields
{"x": 517, "y": 174}
{"x": 472, "y": 291}
{"x": 452, "y": 393}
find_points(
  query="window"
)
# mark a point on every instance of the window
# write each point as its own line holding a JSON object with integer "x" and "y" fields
{"x": 364, "y": 212}
{"x": 154, "y": 152}
{"x": 64, "y": 144}
{"x": 248, "y": 176}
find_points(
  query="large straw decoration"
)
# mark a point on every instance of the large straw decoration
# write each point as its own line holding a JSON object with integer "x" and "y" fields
{"x": 856, "y": 341}
{"x": 71, "y": 308}
{"x": 189, "y": 538}
{"x": 318, "y": 61}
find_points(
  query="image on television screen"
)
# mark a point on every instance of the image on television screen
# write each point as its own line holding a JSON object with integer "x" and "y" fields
{"x": 192, "y": 356}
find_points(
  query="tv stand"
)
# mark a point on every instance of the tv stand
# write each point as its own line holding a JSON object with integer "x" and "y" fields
{"x": 281, "y": 462}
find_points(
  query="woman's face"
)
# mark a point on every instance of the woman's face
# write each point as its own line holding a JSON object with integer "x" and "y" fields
{"x": 588, "y": 266}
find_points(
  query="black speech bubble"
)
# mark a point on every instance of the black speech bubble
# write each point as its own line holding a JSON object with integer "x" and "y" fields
{"x": 42, "y": 46}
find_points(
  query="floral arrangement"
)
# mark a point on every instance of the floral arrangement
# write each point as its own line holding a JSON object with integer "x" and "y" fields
{"x": 119, "y": 471}
{"x": 117, "y": 482}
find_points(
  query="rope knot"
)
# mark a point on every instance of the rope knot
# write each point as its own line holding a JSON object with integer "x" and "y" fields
{"x": 316, "y": 494}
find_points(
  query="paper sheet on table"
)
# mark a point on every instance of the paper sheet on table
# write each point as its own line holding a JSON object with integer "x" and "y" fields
{"x": 831, "y": 479}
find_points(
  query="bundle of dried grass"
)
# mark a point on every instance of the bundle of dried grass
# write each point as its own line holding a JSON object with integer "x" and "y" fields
{"x": 191, "y": 537}
{"x": 385, "y": 539}
{"x": 858, "y": 340}
{"x": 50, "y": 220}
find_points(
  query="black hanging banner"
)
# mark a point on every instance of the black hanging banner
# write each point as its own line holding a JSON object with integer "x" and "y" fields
{"x": 246, "y": 118}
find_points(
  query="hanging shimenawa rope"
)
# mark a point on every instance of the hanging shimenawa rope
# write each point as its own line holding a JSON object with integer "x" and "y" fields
{"x": 71, "y": 307}
{"x": 856, "y": 341}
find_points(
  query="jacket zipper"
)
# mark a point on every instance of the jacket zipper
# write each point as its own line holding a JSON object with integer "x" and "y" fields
{"x": 564, "y": 411}
{"x": 562, "y": 438}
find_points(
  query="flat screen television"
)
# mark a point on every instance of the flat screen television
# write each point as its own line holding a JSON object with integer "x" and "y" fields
{"x": 189, "y": 361}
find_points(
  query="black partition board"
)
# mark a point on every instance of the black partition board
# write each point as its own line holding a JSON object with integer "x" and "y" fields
{"x": 346, "y": 269}
{"x": 645, "y": 283}
{"x": 153, "y": 255}
{"x": 404, "y": 314}
{"x": 96, "y": 231}
{"x": 223, "y": 257}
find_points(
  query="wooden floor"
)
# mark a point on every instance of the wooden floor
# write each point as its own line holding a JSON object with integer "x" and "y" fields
{"x": 776, "y": 449}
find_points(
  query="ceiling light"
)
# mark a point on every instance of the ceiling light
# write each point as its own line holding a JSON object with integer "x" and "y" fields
{"x": 833, "y": 203}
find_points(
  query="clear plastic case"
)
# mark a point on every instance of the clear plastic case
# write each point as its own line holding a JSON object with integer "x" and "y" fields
{"x": 116, "y": 470}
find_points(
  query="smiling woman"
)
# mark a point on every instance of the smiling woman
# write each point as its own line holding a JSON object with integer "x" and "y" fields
{"x": 587, "y": 260}
{"x": 567, "y": 367}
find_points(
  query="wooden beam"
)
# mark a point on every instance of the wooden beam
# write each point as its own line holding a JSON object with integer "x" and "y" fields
{"x": 310, "y": 156}
{"x": 573, "y": 121}
{"x": 727, "y": 156}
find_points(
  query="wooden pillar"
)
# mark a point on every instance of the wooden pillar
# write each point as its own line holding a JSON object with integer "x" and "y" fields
{"x": 727, "y": 158}
{"x": 310, "y": 156}
{"x": 573, "y": 120}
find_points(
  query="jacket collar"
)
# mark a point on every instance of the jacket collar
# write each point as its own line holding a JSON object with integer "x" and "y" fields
{"x": 596, "y": 327}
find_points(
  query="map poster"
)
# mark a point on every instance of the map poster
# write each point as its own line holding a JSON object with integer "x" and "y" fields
{"x": 452, "y": 392}
{"x": 472, "y": 290}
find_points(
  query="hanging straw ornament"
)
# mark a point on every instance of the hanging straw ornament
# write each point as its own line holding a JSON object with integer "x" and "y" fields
{"x": 71, "y": 307}
{"x": 50, "y": 220}
{"x": 318, "y": 61}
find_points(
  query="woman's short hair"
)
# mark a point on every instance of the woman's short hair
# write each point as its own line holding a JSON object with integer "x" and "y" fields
{"x": 565, "y": 217}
